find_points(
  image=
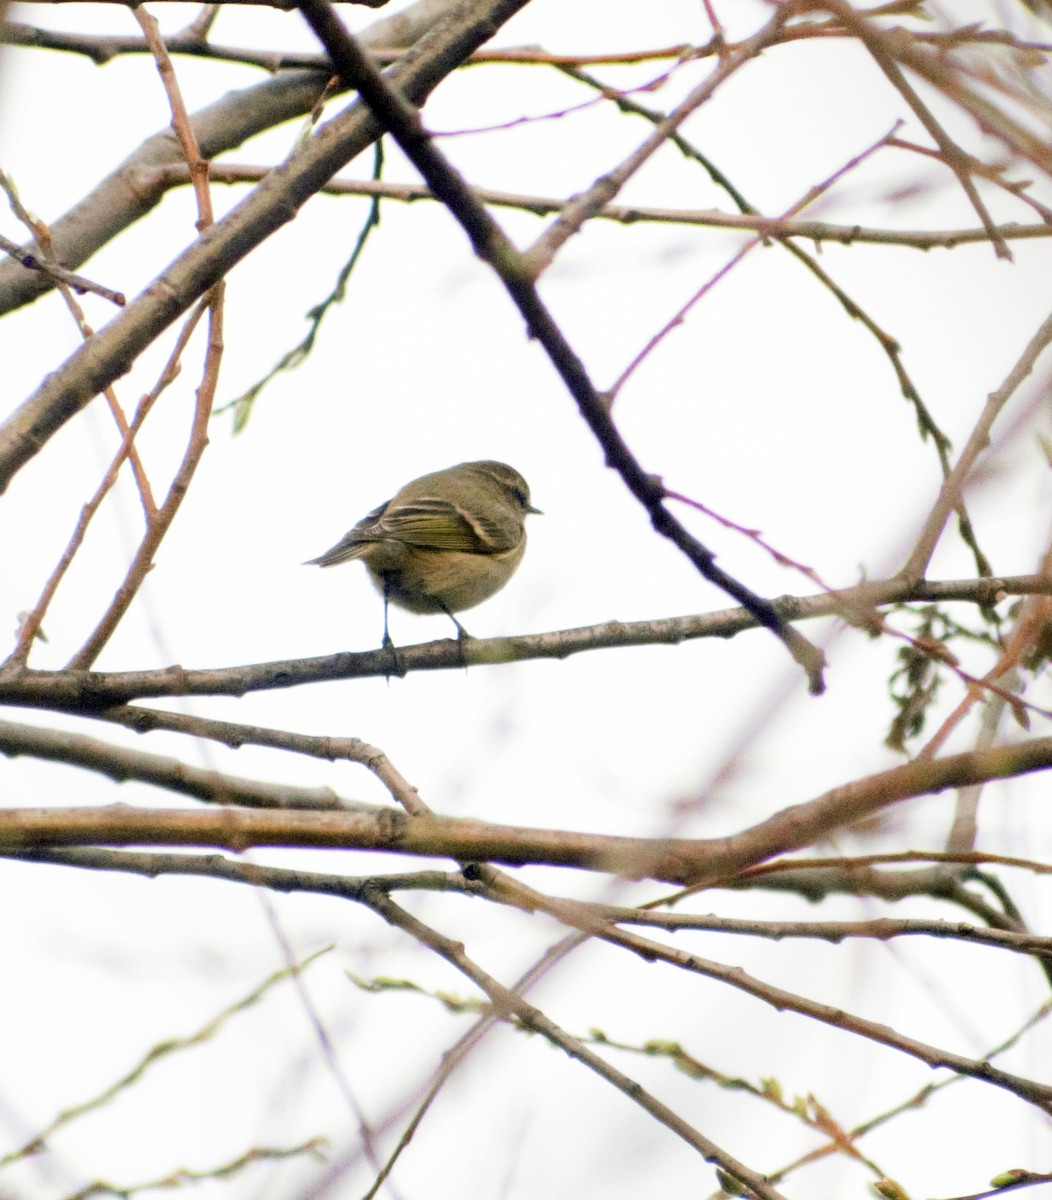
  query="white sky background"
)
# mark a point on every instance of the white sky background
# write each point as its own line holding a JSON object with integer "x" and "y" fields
{"x": 768, "y": 405}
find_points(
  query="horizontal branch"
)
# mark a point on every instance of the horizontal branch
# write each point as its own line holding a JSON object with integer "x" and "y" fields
{"x": 624, "y": 214}
{"x": 122, "y": 764}
{"x": 688, "y": 862}
{"x": 240, "y": 870}
{"x": 102, "y": 48}
{"x": 881, "y": 929}
{"x": 286, "y": 879}
{"x": 89, "y": 691}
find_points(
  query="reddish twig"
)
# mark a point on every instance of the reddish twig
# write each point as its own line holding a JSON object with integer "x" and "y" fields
{"x": 160, "y": 520}
{"x": 583, "y": 207}
{"x": 953, "y": 486}
{"x": 677, "y": 319}
{"x": 961, "y": 163}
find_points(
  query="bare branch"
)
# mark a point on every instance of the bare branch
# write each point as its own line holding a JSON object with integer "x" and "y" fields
{"x": 624, "y": 214}
{"x": 693, "y": 862}
{"x": 273, "y": 203}
{"x": 120, "y": 764}
{"x": 90, "y": 692}
{"x": 953, "y": 487}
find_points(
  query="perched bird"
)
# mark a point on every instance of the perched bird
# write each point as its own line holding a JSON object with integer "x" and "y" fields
{"x": 445, "y": 542}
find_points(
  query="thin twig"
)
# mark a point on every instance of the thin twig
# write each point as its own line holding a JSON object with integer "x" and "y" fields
{"x": 648, "y": 950}
{"x": 952, "y": 155}
{"x": 36, "y": 262}
{"x": 584, "y": 206}
{"x": 677, "y": 318}
{"x": 157, "y": 1054}
{"x": 173, "y": 174}
{"x": 507, "y": 1001}
{"x": 953, "y": 487}
{"x": 159, "y": 521}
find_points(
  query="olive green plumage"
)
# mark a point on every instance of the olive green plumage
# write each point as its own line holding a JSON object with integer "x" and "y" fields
{"x": 446, "y": 541}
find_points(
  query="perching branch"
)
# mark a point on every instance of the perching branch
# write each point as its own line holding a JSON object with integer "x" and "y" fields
{"x": 92, "y": 692}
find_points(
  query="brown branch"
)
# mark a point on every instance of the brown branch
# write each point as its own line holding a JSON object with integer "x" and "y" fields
{"x": 880, "y": 929}
{"x": 43, "y": 237}
{"x": 943, "y": 72}
{"x": 506, "y": 1001}
{"x": 849, "y": 863}
{"x": 649, "y": 950}
{"x": 91, "y": 692}
{"x": 31, "y": 624}
{"x": 596, "y": 918}
{"x": 880, "y": 46}
{"x": 159, "y": 520}
{"x": 275, "y": 202}
{"x": 953, "y": 486}
{"x": 814, "y": 879}
{"x": 175, "y": 174}
{"x": 374, "y": 893}
{"x": 583, "y": 207}
{"x": 35, "y": 262}
{"x": 181, "y": 123}
{"x": 939, "y": 882}
{"x": 102, "y": 48}
{"x": 121, "y": 764}
{"x": 120, "y": 199}
{"x": 693, "y": 862}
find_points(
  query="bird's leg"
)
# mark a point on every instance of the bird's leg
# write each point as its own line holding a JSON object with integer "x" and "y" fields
{"x": 388, "y": 644}
{"x": 462, "y": 636}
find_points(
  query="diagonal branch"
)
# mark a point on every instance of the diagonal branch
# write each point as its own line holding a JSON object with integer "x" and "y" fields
{"x": 953, "y": 486}
{"x": 271, "y": 205}
{"x": 583, "y": 917}
{"x": 509, "y": 1002}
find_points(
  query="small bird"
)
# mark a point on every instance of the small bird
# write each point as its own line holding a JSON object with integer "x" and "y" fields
{"x": 445, "y": 542}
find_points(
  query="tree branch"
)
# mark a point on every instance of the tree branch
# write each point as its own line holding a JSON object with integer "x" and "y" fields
{"x": 90, "y": 692}
{"x": 271, "y": 205}
{"x": 695, "y": 863}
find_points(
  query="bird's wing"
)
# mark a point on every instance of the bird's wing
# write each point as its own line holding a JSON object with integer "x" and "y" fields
{"x": 353, "y": 541}
{"x": 436, "y": 524}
